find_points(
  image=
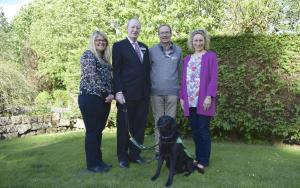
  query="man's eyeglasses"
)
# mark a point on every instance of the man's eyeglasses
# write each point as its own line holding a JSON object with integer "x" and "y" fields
{"x": 165, "y": 33}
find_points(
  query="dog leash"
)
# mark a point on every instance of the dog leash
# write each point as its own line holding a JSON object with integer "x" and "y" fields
{"x": 131, "y": 138}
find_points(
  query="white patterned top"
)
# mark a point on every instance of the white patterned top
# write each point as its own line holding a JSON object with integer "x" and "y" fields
{"x": 193, "y": 80}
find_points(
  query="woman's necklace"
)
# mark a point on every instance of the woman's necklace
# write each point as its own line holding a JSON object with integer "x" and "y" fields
{"x": 198, "y": 55}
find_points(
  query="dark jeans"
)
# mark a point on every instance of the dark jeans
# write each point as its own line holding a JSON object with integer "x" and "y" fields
{"x": 200, "y": 125}
{"x": 95, "y": 112}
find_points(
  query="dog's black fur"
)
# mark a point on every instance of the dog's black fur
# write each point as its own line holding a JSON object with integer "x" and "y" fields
{"x": 173, "y": 153}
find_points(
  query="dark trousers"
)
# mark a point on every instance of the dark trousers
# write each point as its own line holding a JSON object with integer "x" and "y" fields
{"x": 95, "y": 112}
{"x": 200, "y": 125}
{"x": 137, "y": 118}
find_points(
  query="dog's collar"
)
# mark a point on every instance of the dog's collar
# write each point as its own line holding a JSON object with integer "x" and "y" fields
{"x": 168, "y": 137}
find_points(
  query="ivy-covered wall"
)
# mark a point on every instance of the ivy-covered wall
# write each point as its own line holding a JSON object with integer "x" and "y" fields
{"x": 259, "y": 87}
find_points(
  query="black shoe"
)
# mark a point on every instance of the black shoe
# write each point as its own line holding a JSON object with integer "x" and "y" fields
{"x": 102, "y": 163}
{"x": 199, "y": 167}
{"x": 139, "y": 161}
{"x": 124, "y": 164}
{"x": 98, "y": 169}
{"x": 156, "y": 157}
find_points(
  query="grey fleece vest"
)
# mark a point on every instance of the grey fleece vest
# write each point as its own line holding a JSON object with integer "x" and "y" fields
{"x": 165, "y": 70}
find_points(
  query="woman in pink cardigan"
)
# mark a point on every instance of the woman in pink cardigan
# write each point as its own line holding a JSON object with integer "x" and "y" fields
{"x": 198, "y": 92}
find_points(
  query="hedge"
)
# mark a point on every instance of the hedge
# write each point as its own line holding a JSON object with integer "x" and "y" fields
{"x": 258, "y": 88}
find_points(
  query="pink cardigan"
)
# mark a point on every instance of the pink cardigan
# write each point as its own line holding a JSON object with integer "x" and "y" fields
{"x": 208, "y": 83}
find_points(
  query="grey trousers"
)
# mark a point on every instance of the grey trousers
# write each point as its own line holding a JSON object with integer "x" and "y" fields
{"x": 162, "y": 105}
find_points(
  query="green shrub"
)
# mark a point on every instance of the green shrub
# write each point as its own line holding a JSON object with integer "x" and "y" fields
{"x": 61, "y": 98}
{"x": 43, "y": 102}
{"x": 16, "y": 92}
{"x": 259, "y": 87}
{"x": 43, "y": 98}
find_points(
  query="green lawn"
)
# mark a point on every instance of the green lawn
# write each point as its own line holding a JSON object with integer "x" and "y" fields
{"x": 57, "y": 160}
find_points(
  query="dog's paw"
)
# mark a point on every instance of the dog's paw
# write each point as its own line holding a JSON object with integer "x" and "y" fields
{"x": 154, "y": 178}
{"x": 168, "y": 184}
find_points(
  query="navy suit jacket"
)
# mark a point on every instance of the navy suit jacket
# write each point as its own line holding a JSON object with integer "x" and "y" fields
{"x": 130, "y": 75}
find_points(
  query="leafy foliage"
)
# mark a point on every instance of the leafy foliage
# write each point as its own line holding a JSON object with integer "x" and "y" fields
{"x": 259, "y": 87}
{"x": 43, "y": 102}
{"x": 61, "y": 98}
{"x": 58, "y": 37}
{"x": 15, "y": 90}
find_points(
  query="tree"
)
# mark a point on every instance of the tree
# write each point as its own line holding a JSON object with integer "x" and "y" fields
{"x": 15, "y": 90}
{"x": 57, "y": 31}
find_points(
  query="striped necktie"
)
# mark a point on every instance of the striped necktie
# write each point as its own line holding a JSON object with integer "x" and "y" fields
{"x": 137, "y": 50}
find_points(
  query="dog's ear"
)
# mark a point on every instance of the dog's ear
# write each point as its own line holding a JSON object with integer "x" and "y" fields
{"x": 173, "y": 122}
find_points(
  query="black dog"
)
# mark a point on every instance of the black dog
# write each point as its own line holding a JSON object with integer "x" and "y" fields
{"x": 172, "y": 151}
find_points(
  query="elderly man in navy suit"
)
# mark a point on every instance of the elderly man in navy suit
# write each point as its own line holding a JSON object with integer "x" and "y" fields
{"x": 131, "y": 75}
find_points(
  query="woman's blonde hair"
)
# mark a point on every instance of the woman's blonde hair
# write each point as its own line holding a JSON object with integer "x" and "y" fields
{"x": 205, "y": 35}
{"x": 106, "y": 54}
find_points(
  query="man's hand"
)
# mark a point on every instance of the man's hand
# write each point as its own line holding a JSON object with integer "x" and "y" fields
{"x": 120, "y": 97}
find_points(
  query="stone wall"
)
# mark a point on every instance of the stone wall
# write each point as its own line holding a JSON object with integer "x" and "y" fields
{"x": 23, "y": 125}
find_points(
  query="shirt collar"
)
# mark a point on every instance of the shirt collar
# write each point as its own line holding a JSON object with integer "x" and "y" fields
{"x": 132, "y": 41}
{"x": 172, "y": 48}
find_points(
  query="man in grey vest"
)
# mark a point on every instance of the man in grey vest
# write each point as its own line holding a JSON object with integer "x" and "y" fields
{"x": 165, "y": 63}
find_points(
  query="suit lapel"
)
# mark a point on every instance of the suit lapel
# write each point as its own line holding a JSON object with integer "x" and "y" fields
{"x": 131, "y": 49}
{"x": 143, "y": 49}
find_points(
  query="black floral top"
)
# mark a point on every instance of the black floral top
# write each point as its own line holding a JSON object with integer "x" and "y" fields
{"x": 96, "y": 75}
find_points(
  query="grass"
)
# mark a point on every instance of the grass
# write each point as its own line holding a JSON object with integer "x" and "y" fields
{"x": 57, "y": 160}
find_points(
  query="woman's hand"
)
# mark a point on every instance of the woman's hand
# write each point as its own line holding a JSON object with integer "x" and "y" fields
{"x": 207, "y": 103}
{"x": 109, "y": 98}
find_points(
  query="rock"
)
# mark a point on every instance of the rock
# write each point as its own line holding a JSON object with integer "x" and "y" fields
{"x": 79, "y": 124}
{"x": 51, "y": 130}
{"x": 33, "y": 120}
{"x": 30, "y": 133}
{"x": 55, "y": 119}
{"x": 11, "y": 129}
{"x": 5, "y": 121}
{"x": 41, "y": 131}
{"x": 62, "y": 129}
{"x": 64, "y": 123}
{"x": 16, "y": 120}
{"x": 10, "y": 135}
{"x": 46, "y": 125}
{"x": 2, "y": 129}
{"x": 22, "y": 128}
{"x": 36, "y": 126}
{"x": 47, "y": 119}
{"x": 26, "y": 120}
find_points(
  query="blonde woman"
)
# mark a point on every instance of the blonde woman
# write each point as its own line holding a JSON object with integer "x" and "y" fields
{"x": 198, "y": 92}
{"x": 95, "y": 96}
